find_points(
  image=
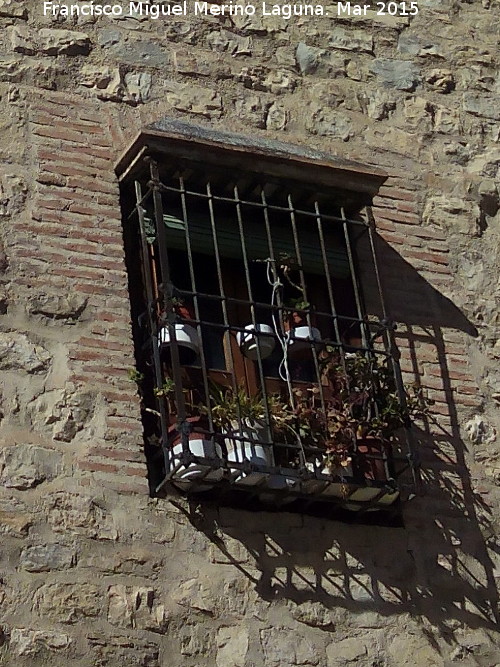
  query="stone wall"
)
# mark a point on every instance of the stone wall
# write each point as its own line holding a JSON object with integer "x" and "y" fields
{"x": 93, "y": 571}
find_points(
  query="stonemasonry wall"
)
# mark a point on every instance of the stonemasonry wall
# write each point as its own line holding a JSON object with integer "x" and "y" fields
{"x": 93, "y": 571}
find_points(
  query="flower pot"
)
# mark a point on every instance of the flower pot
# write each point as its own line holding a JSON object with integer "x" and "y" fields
{"x": 194, "y": 476}
{"x": 187, "y": 341}
{"x": 300, "y": 339}
{"x": 256, "y": 338}
{"x": 242, "y": 444}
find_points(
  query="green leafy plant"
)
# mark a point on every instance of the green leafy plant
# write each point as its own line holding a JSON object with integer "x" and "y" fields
{"x": 364, "y": 400}
{"x": 135, "y": 376}
{"x": 308, "y": 424}
{"x": 229, "y": 406}
{"x": 360, "y": 399}
{"x": 166, "y": 390}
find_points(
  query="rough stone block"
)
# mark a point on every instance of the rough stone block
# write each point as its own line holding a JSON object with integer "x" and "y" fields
{"x": 137, "y": 87}
{"x": 230, "y": 42}
{"x": 15, "y": 520}
{"x": 252, "y": 109}
{"x": 452, "y": 214}
{"x": 79, "y": 515}
{"x": 142, "y": 53}
{"x": 67, "y": 42}
{"x": 352, "y": 650}
{"x": 13, "y": 9}
{"x": 107, "y": 650}
{"x": 57, "y": 306}
{"x": 22, "y": 40}
{"x": 485, "y": 107}
{"x": 29, "y": 642}
{"x": 330, "y": 123}
{"x": 46, "y": 557}
{"x": 284, "y": 648}
{"x": 68, "y": 603}
{"x": 195, "y": 99}
{"x": 13, "y": 192}
{"x": 441, "y": 80}
{"x": 351, "y": 40}
{"x": 307, "y": 58}
{"x": 19, "y": 353}
{"x": 420, "y": 45}
{"x": 26, "y": 466}
{"x": 195, "y": 595}
{"x": 232, "y": 646}
{"x": 314, "y": 614}
{"x": 135, "y": 607}
{"x": 399, "y": 74}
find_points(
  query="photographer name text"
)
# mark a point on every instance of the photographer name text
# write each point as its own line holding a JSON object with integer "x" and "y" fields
{"x": 185, "y": 8}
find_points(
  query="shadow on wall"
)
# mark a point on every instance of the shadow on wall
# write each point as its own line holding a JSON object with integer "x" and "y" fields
{"x": 438, "y": 566}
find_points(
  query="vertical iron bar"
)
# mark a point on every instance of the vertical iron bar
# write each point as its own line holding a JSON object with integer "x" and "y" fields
{"x": 395, "y": 355}
{"x": 252, "y": 307}
{"x": 354, "y": 279}
{"x": 194, "y": 289}
{"x": 304, "y": 292}
{"x": 308, "y": 316}
{"x": 222, "y": 290}
{"x": 167, "y": 287}
{"x": 329, "y": 281}
{"x": 276, "y": 310}
{"x": 153, "y": 329}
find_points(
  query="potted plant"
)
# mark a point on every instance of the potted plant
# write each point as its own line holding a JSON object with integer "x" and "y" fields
{"x": 193, "y": 430}
{"x": 298, "y": 313}
{"x": 306, "y": 423}
{"x": 256, "y": 339}
{"x": 240, "y": 418}
{"x": 186, "y": 335}
{"x": 295, "y": 323}
{"x": 365, "y": 410}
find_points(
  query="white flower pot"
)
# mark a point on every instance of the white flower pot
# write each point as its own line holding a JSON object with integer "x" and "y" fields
{"x": 187, "y": 475}
{"x": 300, "y": 338}
{"x": 185, "y": 335}
{"x": 255, "y": 338}
{"x": 243, "y": 446}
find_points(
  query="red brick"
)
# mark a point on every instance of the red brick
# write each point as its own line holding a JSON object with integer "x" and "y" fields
{"x": 395, "y": 193}
{"x": 434, "y": 258}
{"x": 129, "y": 470}
{"x": 118, "y": 454}
{"x": 141, "y": 488}
{"x": 56, "y": 133}
{"x": 100, "y": 343}
{"x": 87, "y": 355}
{"x": 94, "y": 466}
{"x": 91, "y": 128}
{"x": 119, "y": 396}
{"x": 467, "y": 389}
{"x": 397, "y": 216}
{"x": 116, "y": 264}
{"x": 124, "y": 424}
{"x": 97, "y": 185}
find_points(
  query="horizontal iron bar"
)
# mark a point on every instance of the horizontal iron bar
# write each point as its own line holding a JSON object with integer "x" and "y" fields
{"x": 257, "y": 204}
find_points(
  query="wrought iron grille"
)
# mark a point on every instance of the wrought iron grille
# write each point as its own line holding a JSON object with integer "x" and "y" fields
{"x": 251, "y": 330}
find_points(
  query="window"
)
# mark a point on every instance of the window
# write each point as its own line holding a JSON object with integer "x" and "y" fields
{"x": 265, "y": 380}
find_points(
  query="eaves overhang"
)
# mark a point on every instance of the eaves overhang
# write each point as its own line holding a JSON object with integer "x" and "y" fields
{"x": 171, "y": 139}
